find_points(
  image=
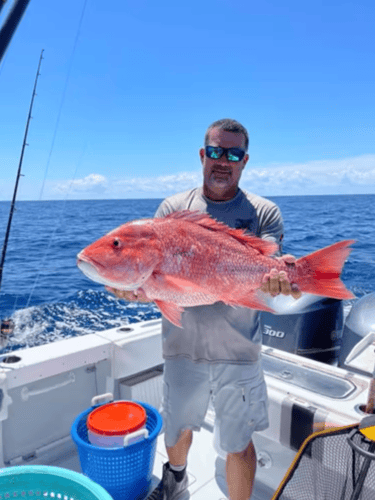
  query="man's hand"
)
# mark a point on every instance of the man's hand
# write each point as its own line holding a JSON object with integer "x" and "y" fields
{"x": 138, "y": 295}
{"x": 276, "y": 282}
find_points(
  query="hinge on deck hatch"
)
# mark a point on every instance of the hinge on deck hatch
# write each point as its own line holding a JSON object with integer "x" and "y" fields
{"x": 21, "y": 459}
{"x": 29, "y": 456}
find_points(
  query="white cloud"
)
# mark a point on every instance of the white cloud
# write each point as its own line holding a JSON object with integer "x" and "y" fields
{"x": 163, "y": 184}
{"x": 350, "y": 175}
{"x": 116, "y": 188}
{"x": 92, "y": 182}
{"x": 357, "y": 172}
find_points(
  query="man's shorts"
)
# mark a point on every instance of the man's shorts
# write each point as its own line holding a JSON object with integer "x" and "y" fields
{"x": 238, "y": 394}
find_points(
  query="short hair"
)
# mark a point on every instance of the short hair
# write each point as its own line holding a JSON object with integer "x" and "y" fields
{"x": 228, "y": 125}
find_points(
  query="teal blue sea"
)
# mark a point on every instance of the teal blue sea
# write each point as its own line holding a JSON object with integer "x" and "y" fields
{"x": 49, "y": 298}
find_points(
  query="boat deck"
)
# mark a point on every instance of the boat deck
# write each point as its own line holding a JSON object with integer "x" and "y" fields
{"x": 44, "y": 388}
{"x": 206, "y": 470}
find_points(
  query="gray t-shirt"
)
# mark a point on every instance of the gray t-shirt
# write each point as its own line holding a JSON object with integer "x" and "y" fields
{"x": 218, "y": 333}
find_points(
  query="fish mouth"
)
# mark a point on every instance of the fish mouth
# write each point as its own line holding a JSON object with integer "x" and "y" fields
{"x": 91, "y": 269}
{"x": 88, "y": 260}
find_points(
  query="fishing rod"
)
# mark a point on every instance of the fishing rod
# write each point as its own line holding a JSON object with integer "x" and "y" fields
{"x": 24, "y": 144}
{"x": 11, "y": 23}
{"x": 2, "y": 3}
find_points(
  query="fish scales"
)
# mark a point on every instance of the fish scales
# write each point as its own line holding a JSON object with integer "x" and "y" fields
{"x": 211, "y": 257}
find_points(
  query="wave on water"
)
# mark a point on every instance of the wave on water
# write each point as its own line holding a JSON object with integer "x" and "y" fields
{"x": 89, "y": 311}
{"x": 85, "y": 312}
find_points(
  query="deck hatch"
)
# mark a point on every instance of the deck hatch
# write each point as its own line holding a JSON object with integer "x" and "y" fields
{"x": 322, "y": 383}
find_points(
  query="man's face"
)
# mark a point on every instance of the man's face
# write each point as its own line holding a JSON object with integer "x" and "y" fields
{"x": 221, "y": 176}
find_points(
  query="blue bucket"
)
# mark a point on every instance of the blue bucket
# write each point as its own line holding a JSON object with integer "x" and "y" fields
{"x": 124, "y": 472}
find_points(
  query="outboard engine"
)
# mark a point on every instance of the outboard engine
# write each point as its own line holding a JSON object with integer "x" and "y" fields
{"x": 310, "y": 326}
{"x": 359, "y": 322}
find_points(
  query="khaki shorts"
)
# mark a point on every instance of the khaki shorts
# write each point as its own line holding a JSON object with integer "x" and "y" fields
{"x": 238, "y": 394}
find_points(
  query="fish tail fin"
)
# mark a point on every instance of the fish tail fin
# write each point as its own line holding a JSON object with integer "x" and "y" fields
{"x": 319, "y": 272}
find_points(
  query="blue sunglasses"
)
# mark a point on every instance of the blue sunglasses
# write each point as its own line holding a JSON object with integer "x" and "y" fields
{"x": 232, "y": 154}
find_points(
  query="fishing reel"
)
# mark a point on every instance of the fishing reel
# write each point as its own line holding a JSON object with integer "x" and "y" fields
{"x": 6, "y": 331}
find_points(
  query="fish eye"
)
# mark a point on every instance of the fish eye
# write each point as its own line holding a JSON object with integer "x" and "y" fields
{"x": 116, "y": 242}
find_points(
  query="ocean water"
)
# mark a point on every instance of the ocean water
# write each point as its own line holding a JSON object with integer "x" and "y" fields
{"x": 49, "y": 298}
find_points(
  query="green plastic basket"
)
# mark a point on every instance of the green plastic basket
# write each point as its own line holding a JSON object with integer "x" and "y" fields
{"x": 45, "y": 482}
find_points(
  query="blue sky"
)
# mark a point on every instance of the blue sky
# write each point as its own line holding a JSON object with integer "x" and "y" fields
{"x": 146, "y": 79}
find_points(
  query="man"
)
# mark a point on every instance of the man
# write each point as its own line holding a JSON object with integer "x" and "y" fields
{"x": 216, "y": 354}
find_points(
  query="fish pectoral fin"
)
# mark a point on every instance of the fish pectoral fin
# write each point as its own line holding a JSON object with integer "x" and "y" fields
{"x": 170, "y": 311}
{"x": 252, "y": 301}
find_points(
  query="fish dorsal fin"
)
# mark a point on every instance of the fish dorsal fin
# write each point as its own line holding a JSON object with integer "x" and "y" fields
{"x": 205, "y": 220}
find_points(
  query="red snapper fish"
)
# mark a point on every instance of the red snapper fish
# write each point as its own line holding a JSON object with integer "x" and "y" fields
{"x": 190, "y": 259}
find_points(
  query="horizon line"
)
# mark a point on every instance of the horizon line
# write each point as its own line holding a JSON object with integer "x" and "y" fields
{"x": 164, "y": 197}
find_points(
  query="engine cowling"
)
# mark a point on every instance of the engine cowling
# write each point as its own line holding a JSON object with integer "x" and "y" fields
{"x": 359, "y": 322}
{"x": 310, "y": 326}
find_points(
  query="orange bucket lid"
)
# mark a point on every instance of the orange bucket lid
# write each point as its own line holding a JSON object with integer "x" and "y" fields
{"x": 121, "y": 417}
